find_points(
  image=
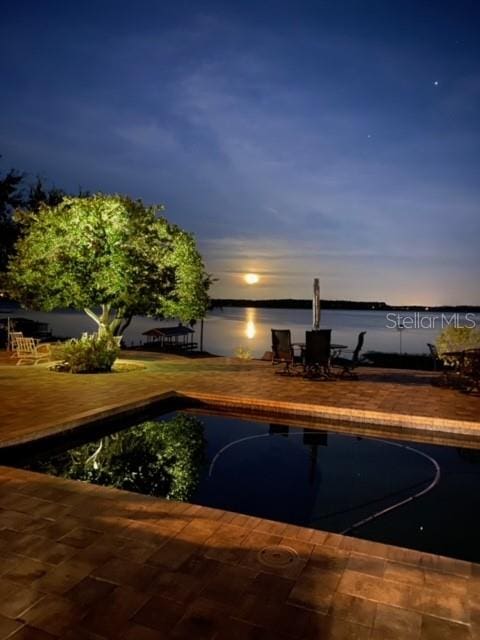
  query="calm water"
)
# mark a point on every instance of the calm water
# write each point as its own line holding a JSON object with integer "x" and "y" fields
{"x": 226, "y": 330}
{"x": 323, "y": 480}
{"x": 250, "y": 328}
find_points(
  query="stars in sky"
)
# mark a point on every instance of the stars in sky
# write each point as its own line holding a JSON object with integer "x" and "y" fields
{"x": 288, "y": 148}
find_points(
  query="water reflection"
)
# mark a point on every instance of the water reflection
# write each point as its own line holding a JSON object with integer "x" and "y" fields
{"x": 250, "y": 329}
{"x": 162, "y": 458}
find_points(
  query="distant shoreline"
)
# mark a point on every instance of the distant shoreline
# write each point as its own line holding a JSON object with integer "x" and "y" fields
{"x": 290, "y": 303}
{"x": 7, "y": 305}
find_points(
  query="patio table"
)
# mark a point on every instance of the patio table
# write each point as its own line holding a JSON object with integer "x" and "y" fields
{"x": 335, "y": 351}
{"x": 336, "y": 348}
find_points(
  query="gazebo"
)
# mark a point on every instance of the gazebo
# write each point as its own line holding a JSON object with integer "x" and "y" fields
{"x": 179, "y": 338}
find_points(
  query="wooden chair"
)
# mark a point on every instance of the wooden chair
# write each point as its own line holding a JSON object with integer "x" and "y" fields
{"x": 316, "y": 357}
{"x": 13, "y": 336}
{"x": 348, "y": 365}
{"x": 282, "y": 350}
{"x": 470, "y": 371}
{"x": 28, "y": 350}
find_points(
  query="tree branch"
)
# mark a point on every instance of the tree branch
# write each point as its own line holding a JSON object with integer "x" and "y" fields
{"x": 92, "y": 315}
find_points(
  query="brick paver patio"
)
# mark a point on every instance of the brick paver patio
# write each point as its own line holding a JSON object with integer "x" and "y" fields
{"x": 85, "y": 562}
{"x": 79, "y": 561}
{"x": 36, "y": 401}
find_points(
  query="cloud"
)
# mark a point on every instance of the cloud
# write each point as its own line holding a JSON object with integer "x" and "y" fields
{"x": 298, "y": 152}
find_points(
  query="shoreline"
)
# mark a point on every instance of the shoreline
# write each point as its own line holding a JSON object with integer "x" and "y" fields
{"x": 339, "y": 305}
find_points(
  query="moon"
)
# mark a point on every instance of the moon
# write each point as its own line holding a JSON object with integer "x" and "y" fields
{"x": 251, "y": 278}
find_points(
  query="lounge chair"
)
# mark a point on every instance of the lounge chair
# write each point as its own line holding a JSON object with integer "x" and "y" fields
{"x": 12, "y": 341}
{"x": 316, "y": 357}
{"x": 348, "y": 365}
{"x": 28, "y": 350}
{"x": 282, "y": 350}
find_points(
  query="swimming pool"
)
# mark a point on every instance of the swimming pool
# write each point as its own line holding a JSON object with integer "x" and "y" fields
{"x": 415, "y": 495}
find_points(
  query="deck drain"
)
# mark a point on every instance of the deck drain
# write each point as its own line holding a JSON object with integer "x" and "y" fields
{"x": 277, "y": 556}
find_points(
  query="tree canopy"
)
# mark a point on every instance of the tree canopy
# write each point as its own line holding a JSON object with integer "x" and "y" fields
{"x": 108, "y": 252}
{"x": 16, "y": 193}
{"x": 10, "y": 198}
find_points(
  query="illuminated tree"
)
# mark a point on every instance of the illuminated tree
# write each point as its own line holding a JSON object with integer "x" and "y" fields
{"x": 16, "y": 193}
{"x": 111, "y": 253}
{"x": 455, "y": 339}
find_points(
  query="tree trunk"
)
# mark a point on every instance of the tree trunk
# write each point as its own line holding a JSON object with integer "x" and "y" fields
{"x": 104, "y": 326}
{"x": 126, "y": 324}
{"x": 104, "y": 322}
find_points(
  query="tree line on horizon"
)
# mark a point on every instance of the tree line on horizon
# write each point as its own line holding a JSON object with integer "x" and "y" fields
{"x": 360, "y": 305}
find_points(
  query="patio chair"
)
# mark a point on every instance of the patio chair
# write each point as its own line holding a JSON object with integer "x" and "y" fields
{"x": 436, "y": 360}
{"x": 316, "y": 357}
{"x": 470, "y": 371}
{"x": 349, "y": 365}
{"x": 12, "y": 342}
{"x": 28, "y": 350}
{"x": 282, "y": 350}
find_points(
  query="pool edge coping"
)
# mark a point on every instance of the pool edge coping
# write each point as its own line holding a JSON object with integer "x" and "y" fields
{"x": 414, "y": 423}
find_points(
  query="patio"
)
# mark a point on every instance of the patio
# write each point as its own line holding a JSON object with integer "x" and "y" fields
{"x": 80, "y": 561}
{"x": 37, "y": 402}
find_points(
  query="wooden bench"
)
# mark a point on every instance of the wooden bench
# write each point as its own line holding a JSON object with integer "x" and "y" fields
{"x": 29, "y": 350}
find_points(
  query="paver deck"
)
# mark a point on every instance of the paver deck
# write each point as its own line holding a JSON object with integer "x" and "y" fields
{"x": 85, "y": 562}
{"x": 36, "y": 401}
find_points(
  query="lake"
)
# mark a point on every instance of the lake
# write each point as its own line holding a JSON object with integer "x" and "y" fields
{"x": 227, "y": 329}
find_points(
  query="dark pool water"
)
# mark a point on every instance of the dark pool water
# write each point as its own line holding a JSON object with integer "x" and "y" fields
{"x": 325, "y": 480}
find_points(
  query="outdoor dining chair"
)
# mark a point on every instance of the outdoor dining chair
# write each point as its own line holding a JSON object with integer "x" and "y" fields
{"x": 467, "y": 373}
{"x": 436, "y": 360}
{"x": 316, "y": 356}
{"x": 283, "y": 351}
{"x": 348, "y": 365}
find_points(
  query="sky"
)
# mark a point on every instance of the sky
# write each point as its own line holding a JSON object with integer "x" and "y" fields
{"x": 333, "y": 139}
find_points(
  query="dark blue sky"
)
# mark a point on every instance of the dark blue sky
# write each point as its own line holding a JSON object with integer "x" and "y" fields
{"x": 332, "y": 139}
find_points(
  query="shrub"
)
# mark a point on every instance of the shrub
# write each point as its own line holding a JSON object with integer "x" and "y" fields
{"x": 243, "y": 353}
{"x": 90, "y": 354}
{"x": 56, "y": 350}
{"x": 457, "y": 339}
{"x": 395, "y": 360}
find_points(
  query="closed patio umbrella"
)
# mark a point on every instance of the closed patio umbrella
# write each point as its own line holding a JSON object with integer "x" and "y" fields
{"x": 316, "y": 304}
